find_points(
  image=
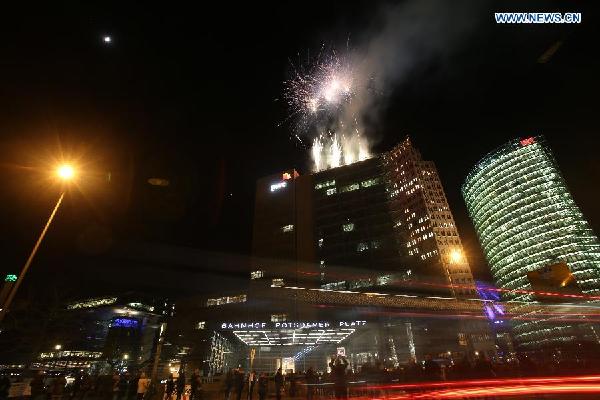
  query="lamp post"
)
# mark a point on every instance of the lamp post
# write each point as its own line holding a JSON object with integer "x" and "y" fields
{"x": 65, "y": 173}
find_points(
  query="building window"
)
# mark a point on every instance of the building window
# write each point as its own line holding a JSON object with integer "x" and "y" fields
{"x": 226, "y": 300}
{"x": 370, "y": 182}
{"x": 383, "y": 280}
{"x": 350, "y": 188}
{"x": 349, "y": 227}
{"x": 278, "y": 317}
{"x": 277, "y": 282}
{"x": 325, "y": 184}
{"x": 362, "y": 246}
{"x": 201, "y": 325}
{"x": 287, "y": 228}
{"x": 330, "y": 192}
{"x": 257, "y": 274}
{"x": 334, "y": 286}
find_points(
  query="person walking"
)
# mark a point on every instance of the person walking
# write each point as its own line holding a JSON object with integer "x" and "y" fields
{"x": 311, "y": 381}
{"x": 431, "y": 369}
{"x": 38, "y": 391}
{"x": 263, "y": 386}
{"x": 142, "y": 386}
{"x": 115, "y": 386}
{"x": 58, "y": 387}
{"x": 228, "y": 383}
{"x": 238, "y": 382}
{"x": 338, "y": 366}
{"x": 279, "y": 381}
{"x": 252, "y": 378}
{"x": 132, "y": 387}
{"x": 169, "y": 388}
{"x": 196, "y": 385}
{"x": 180, "y": 384}
{"x": 123, "y": 383}
{"x": 4, "y": 387}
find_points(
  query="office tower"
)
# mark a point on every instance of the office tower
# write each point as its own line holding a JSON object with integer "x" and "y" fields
{"x": 527, "y": 222}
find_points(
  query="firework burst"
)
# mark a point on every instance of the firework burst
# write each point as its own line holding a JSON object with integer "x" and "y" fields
{"x": 319, "y": 90}
{"x": 320, "y": 96}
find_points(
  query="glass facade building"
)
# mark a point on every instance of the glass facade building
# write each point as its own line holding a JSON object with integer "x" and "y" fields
{"x": 526, "y": 221}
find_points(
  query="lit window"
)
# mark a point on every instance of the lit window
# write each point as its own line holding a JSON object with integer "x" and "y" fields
{"x": 201, "y": 325}
{"x": 341, "y": 285}
{"x": 226, "y": 300}
{"x": 325, "y": 184}
{"x": 362, "y": 246}
{"x": 287, "y": 228}
{"x": 383, "y": 280}
{"x": 278, "y": 317}
{"x": 277, "y": 282}
{"x": 349, "y": 227}
{"x": 350, "y": 188}
{"x": 329, "y": 192}
{"x": 370, "y": 182}
{"x": 257, "y": 274}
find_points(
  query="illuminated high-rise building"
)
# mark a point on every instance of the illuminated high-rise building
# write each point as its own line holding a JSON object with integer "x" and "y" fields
{"x": 379, "y": 224}
{"x": 423, "y": 219}
{"x": 527, "y": 222}
{"x": 386, "y": 214}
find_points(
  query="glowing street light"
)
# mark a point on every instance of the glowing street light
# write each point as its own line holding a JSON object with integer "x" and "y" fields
{"x": 456, "y": 256}
{"x": 66, "y": 173}
{"x": 125, "y": 356}
{"x": 58, "y": 347}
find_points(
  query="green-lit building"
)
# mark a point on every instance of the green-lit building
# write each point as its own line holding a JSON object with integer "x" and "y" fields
{"x": 527, "y": 221}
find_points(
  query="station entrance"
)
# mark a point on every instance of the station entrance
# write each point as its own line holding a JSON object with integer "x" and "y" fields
{"x": 292, "y": 346}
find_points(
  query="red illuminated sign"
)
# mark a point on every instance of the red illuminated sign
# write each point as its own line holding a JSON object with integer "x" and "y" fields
{"x": 528, "y": 141}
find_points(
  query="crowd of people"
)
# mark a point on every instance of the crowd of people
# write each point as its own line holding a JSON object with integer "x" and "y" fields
{"x": 340, "y": 381}
{"x": 83, "y": 386}
{"x": 237, "y": 383}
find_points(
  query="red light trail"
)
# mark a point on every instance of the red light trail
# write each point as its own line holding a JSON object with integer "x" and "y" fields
{"x": 494, "y": 387}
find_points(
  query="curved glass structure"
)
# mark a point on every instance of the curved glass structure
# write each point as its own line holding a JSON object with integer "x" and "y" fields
{"x": 526, "y": 220}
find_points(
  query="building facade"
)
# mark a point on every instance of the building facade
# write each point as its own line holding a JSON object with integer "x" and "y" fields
{"x": 381, "y": 219}
{"x": 527, "y": 220}
{"x": 424, "y": 221}
{"x": 118, "y": 331}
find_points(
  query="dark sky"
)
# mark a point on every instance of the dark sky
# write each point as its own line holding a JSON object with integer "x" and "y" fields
{"x": 194, "y": 96}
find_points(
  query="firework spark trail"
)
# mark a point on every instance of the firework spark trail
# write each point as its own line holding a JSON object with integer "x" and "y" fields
{"x": 319, "y": 97}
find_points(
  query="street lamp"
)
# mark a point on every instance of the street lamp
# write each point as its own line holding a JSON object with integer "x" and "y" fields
{"x": 58, "y": 347}
{"x": 456, "y": 256}
{"x": 65, "y": 173}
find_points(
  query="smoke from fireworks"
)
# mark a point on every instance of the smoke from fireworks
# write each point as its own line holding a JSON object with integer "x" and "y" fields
{"x": 337, "y": 99}
{"x": 320, "y": 95}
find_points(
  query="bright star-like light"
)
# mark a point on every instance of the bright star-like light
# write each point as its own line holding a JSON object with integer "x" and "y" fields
{"x": 65, "y": 172}
{"x": 456, "y": 256}
{"x": 107, "y": 39}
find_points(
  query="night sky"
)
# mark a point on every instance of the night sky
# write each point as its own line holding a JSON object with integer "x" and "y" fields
{"x": 195, "y": 96}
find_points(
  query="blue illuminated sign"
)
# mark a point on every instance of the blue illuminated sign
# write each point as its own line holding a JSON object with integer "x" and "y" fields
{"x": 125, "y": 323}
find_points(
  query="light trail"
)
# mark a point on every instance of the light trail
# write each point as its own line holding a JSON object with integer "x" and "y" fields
{"x": 587, "y": 384}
